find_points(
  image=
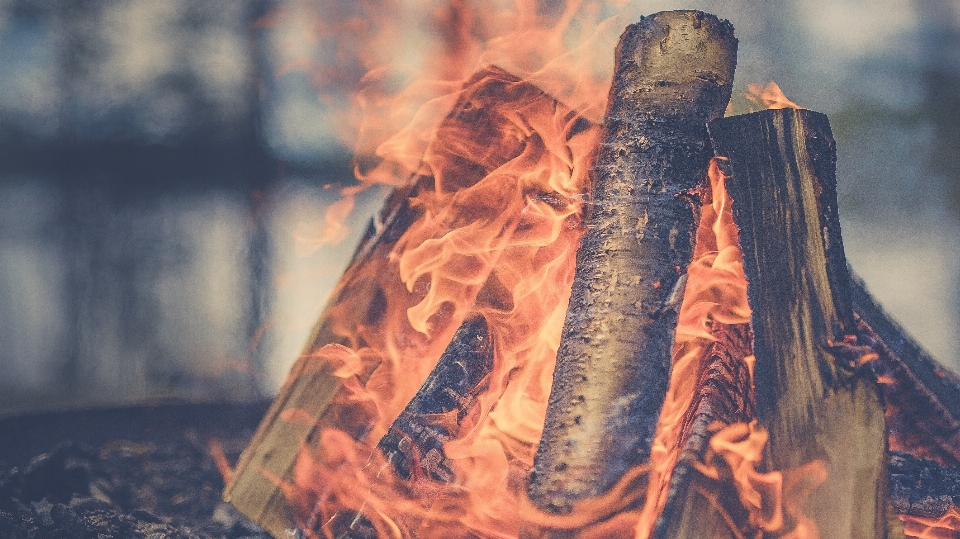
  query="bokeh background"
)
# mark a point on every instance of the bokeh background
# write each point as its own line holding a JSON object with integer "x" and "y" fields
{"x": 163, "y": 162}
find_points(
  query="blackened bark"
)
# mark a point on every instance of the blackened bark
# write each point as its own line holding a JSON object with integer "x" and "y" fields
{"x": 922, "y": 487}
{"x": 674, "y": 73}
{"x": 811, "y": 397}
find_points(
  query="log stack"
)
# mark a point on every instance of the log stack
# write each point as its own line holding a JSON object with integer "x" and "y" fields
{"x": 820, "y": 369}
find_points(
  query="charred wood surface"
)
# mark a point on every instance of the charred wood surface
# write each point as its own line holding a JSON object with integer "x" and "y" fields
{"x": 724, "y": 396}
{"x": 674, "y": 72}
{"x": 921, "y": 397}
{"x": 358, "y": 299}
{"x": 922, "y": 487}
{"x": 414, "y": 444}
{"x": 811, "y": 396}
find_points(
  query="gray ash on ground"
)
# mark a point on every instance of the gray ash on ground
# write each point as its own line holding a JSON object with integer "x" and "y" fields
{"x": 145, "y": 472}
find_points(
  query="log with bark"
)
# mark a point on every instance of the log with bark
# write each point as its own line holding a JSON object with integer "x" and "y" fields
{"x": 674, "y": 72}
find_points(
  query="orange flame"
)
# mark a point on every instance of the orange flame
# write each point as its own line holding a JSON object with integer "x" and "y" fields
{"x": 497, "y": 234}
{"x": 943, "y": 527}
{"x": 716, "y": 293}
{"x": 769, "y": 97}
{"x": 400, "y": 93}
{"x": 500, "y": 206}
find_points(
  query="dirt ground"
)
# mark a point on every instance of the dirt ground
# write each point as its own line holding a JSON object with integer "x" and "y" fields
{"x": 139, "y": 472}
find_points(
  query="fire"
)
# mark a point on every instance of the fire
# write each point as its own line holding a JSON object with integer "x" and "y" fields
{"x": 497, "y": 165}
{"x": 769, "y": 97}
{"x": 500, "y": 219}
{"x": 943, "y": 527}
{"x": 716, "y": 294}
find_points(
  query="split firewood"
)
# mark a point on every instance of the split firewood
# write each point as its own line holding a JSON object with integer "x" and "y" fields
{"x": 674, "y": 72}
{"x": 820, "y": 406}
{"x": 312, "y": 397}
{"x": 706, "y": 507}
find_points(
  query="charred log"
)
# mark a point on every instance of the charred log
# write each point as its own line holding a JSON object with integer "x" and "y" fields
{"x": 414, "y": 444}
{"x": 724, "y": 396}
{"x": 922, "y": 487}
{"x": 921, "y": 398}
{"x": 815, "y": 401}
{"x": 674, "y": 73}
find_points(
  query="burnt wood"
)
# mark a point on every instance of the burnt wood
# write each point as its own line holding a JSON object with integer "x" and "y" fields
{"x": 674, "y": 72}
{"x": 811, "y": 396}
{"x": 413, "y": 447}
{"x": 358, "y": 299}
{"x": 921, "y": 397}
{"x": 922, "y": 487}
{"x": 414, "y": 443}
{"x": 697, "y": 506}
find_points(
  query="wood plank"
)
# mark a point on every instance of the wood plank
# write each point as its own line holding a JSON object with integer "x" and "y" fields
{"x": 817, "y": 407}
{"x": 674, "y": 72}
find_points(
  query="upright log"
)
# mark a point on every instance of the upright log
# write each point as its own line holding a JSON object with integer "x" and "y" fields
{"x": 818, "y": 406}
{"x": 674, "y": 72}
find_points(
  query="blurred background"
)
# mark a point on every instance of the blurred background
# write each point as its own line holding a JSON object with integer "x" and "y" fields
{"x": 163, "y": 161}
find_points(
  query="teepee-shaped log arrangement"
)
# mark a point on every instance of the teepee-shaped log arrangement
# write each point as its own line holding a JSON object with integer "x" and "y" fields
{"x": 859, "y": 424}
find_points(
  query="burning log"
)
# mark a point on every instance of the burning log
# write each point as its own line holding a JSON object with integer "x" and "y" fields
{"x": 921, "y": 397}
{"x": 414, "y": 444}
{"x": 821, "y": 409}
{"x": 697, "y": 505}
{"x": 674, "y": 73}
{"x": 314, "y": 397}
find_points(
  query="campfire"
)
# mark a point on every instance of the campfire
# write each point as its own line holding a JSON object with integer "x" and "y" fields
{"x": 635, "y": 325}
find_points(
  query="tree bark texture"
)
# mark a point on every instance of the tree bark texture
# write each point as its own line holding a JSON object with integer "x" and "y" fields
{"x": 674, "y": 72}
{"x": 811, "y": 397}
{"x": 359, "y": 303}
